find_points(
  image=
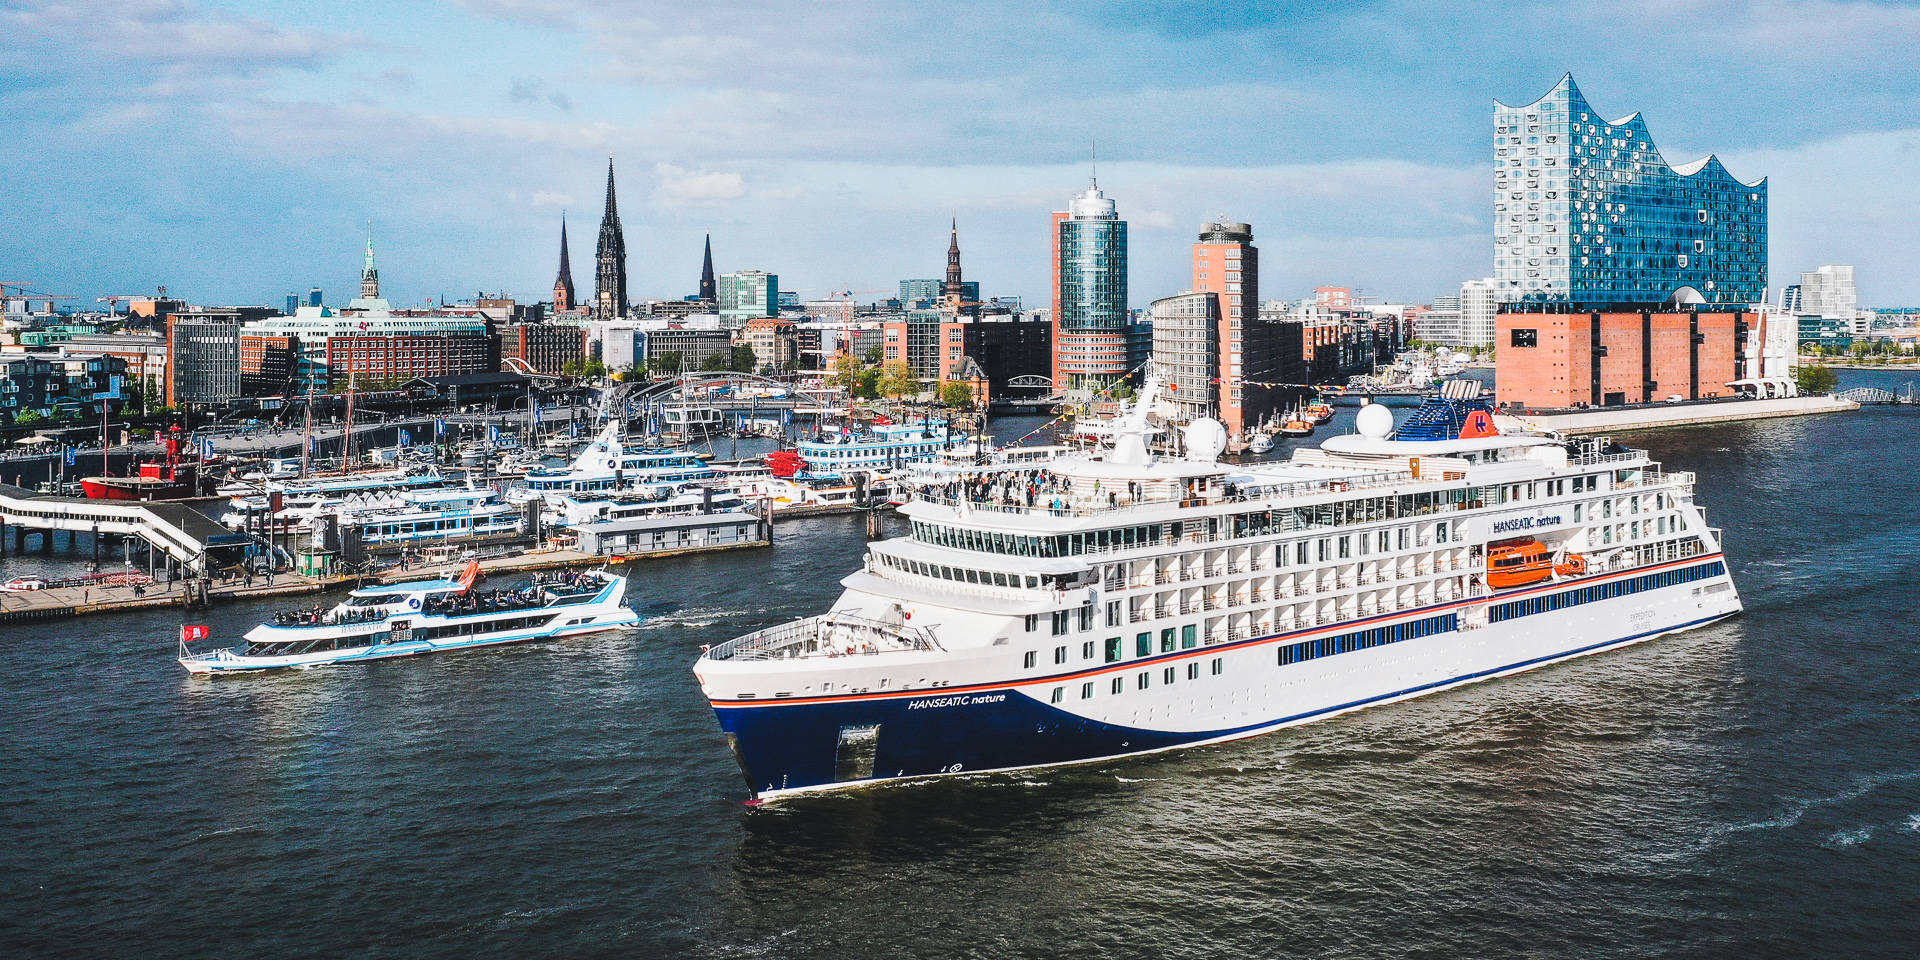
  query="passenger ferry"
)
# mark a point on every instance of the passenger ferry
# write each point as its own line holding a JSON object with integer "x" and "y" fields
{"x": 874, "y": 449}
{"x": 689, "y": 499}
{"x": 606, "y": 465}
{"x": 1118, "y": 604}
{"x": 429, "y": 516}
{"x": 424, "y": 616}
{"x": 341, "y": 484}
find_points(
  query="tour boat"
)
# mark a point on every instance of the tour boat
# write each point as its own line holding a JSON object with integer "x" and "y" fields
{"x": 607, "y": 466}
{"x": 423, "y": 616}
{"x": 1319, "y": 411}
{"x": 1297, "y": 427}
{"x": 1118, "y": 603}
{"x": 880, "y": 446}
{"x": 1261, "y": 443}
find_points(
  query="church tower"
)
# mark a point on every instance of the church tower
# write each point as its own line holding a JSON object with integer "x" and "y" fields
{"x": 563, "y": 284}
{"x": 708, "y": 292}
{"x": 954, "y": 289}
{"x": 610, "y": 256}
{"x": 369, "y": 275}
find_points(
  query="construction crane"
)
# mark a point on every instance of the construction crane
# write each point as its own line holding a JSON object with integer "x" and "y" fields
{"x": 18, "y": 290}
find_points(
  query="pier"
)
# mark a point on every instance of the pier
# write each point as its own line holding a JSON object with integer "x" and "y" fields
{"x": 191, "y": 542}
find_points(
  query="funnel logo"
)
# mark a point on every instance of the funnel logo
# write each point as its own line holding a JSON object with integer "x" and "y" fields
{"x": 1479, "y": 424}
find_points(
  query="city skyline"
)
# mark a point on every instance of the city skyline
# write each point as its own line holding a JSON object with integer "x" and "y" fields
{"x": 235, "y": 154}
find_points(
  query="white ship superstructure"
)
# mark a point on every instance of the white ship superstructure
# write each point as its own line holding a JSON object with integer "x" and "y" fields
{"x": 1102, "y": 606}
{"x": 607, "y": 466}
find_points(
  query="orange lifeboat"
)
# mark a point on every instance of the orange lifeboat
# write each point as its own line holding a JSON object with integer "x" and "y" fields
{"x": 1574, "y": 565}
{"x": 1518, "y": 563}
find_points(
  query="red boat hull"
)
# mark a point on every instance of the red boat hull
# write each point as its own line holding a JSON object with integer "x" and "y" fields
{"x": 126, "y": 488}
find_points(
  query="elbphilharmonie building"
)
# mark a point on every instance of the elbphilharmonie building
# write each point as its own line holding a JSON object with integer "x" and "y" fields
{"x": 1589, "y": 216}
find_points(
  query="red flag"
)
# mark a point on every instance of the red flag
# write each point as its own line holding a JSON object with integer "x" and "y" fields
{"x": 193, "y": 632}
{"x": 469, "y": 575}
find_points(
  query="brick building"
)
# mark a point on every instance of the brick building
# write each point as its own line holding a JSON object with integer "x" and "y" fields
{"x": 1594, "y": 359}
{"x": 396, "y": 359}
{"x": 544, "y": 347}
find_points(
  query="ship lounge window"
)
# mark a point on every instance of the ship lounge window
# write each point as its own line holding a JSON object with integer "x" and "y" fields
{"x": 1143, "y": 645}
{"x": 1113, "y": 649}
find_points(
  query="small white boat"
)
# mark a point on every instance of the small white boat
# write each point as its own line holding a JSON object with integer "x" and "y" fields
{"x": 423, "y": 616}
{"x": 1261, "y": 443}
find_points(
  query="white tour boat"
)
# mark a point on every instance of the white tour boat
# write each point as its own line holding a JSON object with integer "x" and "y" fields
{"x": 423, "y": 616}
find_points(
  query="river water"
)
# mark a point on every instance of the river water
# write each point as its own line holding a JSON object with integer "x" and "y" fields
{"x": 1751, "y": 789}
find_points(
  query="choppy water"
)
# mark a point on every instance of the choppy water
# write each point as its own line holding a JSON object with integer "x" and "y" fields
{"x": 1749, "y": 789}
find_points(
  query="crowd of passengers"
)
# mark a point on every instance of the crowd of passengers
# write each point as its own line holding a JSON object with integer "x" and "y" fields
{"x": 1044, "y": 489}
{"x": 473, "y": 601}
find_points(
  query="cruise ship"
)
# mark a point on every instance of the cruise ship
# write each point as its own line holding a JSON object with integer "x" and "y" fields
{"x": 1119, "y": 603}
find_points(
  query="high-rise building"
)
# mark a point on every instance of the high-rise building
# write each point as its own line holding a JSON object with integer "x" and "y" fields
{"x": 563, "y": 284}
{"x": 1828, "y": 292}
{"x": 610, "y": 260}
{"x": 293, "y": 303}
{"x": 709, "y": 292}
{"x": 313, "y": 296}
{"x": 203, "y": 357}
{"x": 1790, "y": 299}
{"x": 1589, "y": 216}
{"x": 1440, "y": 325}
{"x": 1090, "y": 316}
{"x": 1186, "y": 352}
{"x": 916, "y": 292}
{"x": 369, "y": 275}
{"x": 746, "y": 294}
{"x": 1478, "y": 307}
{"x": 1226, "y": 264}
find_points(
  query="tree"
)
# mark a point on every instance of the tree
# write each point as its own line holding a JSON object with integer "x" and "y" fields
{"x": 845, "y": 373}
{"x": 875, "y": 355}
{"x": 957, "y": 394}
{"x": 1814, "y": 379}
{"x": 28, "y": 416}
{"x": 743, "y": 358}
{"x": 714, "y": 362}
{"x": 668, "y": 362}
{"x": 897, "y": 380}
{"x": 868, "y": 387}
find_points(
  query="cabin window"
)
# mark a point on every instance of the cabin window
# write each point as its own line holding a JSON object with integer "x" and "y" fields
{"x": 1119, "y": 684}
{"x": 1028, "y": 660}
{"x": 1059, "y": 654}
{"x": 1086, "y": 691}
{"x": 1143, "y": 645}
{"x": 1166, "y": 640}
{"x": 1086, "y": 650}
{"x": 1187, "y": 637}
{"x": 1216, "y": 666}
{"x": 1113, "y": 649}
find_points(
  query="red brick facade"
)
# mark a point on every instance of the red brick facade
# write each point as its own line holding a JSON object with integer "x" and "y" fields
{"x": 1559, "y": 360}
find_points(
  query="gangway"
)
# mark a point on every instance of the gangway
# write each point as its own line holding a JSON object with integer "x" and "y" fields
{"x": 189, "y": 538}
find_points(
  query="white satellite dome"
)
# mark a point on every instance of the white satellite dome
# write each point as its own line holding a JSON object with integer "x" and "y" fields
{"x": 1205, "y": 439}
{"x": 1442, "y": 353}
{"x": 1374, "y": 421}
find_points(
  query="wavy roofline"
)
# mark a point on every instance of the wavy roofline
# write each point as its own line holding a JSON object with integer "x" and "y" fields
{"x": 1683, "y": 170}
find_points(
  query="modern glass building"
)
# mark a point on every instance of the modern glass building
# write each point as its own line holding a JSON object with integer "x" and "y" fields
{"x": 1588, "y": 215}
{"x": 746, "y": 294}
{"x": 1091, "y": 323}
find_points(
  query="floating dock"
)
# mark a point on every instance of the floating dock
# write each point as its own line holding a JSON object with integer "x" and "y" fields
{"x": 1656, "y": 416}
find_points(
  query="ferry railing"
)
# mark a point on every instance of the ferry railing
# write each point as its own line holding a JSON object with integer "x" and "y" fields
{"x": 824, "y": 636}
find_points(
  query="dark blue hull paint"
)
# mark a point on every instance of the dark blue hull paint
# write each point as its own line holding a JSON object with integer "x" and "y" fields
{"x": 794, "y": 746}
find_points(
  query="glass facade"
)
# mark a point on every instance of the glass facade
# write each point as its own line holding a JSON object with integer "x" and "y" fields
{"x": 1588, "y": 215}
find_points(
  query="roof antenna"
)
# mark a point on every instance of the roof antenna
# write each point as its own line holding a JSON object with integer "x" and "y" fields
{"x": 1094, "y": 146}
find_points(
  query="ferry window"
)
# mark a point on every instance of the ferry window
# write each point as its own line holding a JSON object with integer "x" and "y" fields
{"x": 1086, "y": 691}
{"x": 1216, "y": 666}
{"x": 1166, "y": 676}
{"x": 1193, "y": 671}
{"x": 1113, "y": 649}
{"x": 1059, "y": 693}
{"x": 1059, "y": 654}
{"x": 1027, "y": 661}
{"x": 1086, "y": 650}
{"x": 1187, "y": 639}
{"x": 1144, "y": 680}
{"x": 1143, "y": 645}
{"x": 1119, "y": 684}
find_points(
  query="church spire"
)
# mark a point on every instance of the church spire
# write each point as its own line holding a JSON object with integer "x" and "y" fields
{"x": 369, "y": 275}
{"x": 610, "y": 261}
{"x": 708, "y": 292}
{"x": 954, "y": 290}
{"x": 563, "y": 284}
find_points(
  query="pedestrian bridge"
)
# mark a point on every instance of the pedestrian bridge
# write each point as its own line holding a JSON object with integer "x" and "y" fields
{"x": 189, "y": 538}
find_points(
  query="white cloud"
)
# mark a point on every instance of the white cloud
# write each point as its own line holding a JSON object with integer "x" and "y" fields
{"x": 679, "y": 187}
{"x": 549, "y": 199}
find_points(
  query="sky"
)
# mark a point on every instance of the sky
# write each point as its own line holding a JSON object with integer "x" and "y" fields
{"x": 236, "y": 152}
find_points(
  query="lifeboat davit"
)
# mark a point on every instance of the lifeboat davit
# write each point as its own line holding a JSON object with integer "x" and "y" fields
{"x": 1518, "y": 563}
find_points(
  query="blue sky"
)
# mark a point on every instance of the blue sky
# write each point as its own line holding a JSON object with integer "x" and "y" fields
{"x": 234, "y": 151}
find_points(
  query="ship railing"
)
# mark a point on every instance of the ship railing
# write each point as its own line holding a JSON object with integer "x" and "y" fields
{"x": 827, "y": 635}
{"x": 1237, "y": 494}
{"x": 1596, "y": 459}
